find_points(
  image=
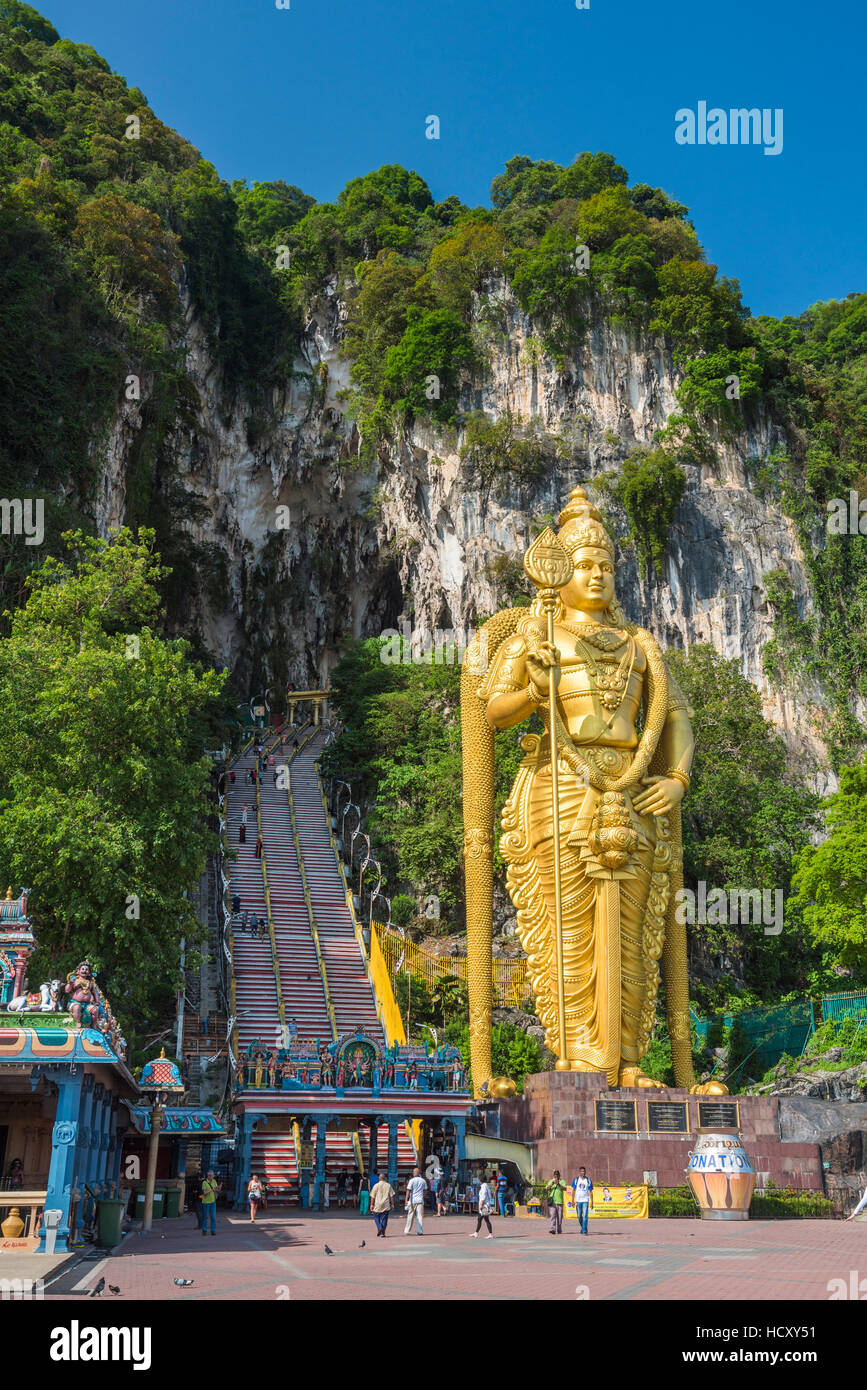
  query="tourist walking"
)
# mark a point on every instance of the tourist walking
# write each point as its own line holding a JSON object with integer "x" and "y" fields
{"x": 254, "y": 1195}
{"x": 555, "y": 1190}
{"x": 502, "y": 1187}
{"x": 582, "y": 1186}
{"x": 442, "y": 1195}
{"x": 341, "y": 1187}
{"x": 258, "y": 850}
{"x": 236, "y": 903}
{"x": 415, "y": 1190}
{"x": 210, "y": 1188}
{"x": 486, "y": 1206}
{"x": 362, "y": 1192}
{"x": 382, "y": 1201}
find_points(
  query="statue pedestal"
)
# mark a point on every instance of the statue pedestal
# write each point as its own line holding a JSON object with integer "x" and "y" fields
{"x": 628, "y": 1134}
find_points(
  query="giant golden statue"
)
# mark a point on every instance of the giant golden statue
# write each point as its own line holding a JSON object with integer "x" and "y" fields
{"x": 591, "y": 840}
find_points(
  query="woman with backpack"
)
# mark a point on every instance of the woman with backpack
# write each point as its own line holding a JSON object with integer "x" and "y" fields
{"x": 254, "y": 1195}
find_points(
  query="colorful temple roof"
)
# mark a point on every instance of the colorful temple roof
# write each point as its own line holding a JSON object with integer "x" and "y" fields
{"x": 177, "y": 1120}
{"x": 59, "y": 1045}
{"x": 161, "y": 1074}
{"x": 13, "y": 911}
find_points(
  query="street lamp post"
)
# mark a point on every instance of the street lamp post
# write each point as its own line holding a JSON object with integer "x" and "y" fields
{"x": 160, "y": 1079}
{"x": 156, "y": 1125}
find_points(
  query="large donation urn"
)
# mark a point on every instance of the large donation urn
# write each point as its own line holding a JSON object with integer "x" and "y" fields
{"x": 721, "y": 1175}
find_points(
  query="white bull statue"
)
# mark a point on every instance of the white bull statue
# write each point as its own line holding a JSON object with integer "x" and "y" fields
{"x": 49, "y": 1000}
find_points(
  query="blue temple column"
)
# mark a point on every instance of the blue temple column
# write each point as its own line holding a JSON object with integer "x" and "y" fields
{"x": 85, "y": 1140}
{"x": 94, "y": 1156}
{"x": 392, "y": 1151}
{"x": 64, "y": 1139}
{"x": 373, "y": 1157}
{"x": 122, "y": 1122}
{"x": 243, "y": 1150}
{"x": 319, "y": 1171}
{"x": 104, "y": 1140}
{"x": 107, "y": 1160}
{"x": 460, "y": 1124}
{"x": 112, "y": 1152}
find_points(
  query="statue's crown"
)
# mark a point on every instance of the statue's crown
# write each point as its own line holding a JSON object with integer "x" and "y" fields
{"x": 581, "y": 525}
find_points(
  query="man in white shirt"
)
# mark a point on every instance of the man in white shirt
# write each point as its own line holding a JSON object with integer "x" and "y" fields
{"x": 415, "y": 1190}
{"x": 582, "y": 1187}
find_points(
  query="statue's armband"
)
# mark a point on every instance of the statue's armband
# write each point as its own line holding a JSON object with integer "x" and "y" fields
{"x": 507, "y": 672}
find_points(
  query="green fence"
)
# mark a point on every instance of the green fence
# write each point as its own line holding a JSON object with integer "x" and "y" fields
{"x": 841, "y": 1006}
{"x": 759, "y": 1037}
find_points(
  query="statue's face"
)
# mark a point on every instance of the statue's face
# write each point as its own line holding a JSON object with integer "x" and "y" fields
{"x": 592, "y": 584}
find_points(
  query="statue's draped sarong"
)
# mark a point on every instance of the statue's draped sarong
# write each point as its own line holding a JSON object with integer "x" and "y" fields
{"x": 603, "y": 915}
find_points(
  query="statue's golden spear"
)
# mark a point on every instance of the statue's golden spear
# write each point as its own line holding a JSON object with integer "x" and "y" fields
{"x": 550, "y": 568}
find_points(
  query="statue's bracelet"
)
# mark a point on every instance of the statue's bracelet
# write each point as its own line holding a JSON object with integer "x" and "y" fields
{"x": 682, "y": 777}
{"x": 534, "y": 694}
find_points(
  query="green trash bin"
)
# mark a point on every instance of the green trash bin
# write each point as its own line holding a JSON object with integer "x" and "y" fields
{"x": 110, "y": 1219}
{"x": 159, "y": 1196}
{"x": 173, "y": 1201}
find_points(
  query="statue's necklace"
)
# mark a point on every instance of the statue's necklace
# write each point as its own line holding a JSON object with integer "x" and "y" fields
{"x": 607, "y": 689}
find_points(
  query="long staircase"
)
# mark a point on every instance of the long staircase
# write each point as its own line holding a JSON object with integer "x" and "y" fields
{"x": 311, "y": 961}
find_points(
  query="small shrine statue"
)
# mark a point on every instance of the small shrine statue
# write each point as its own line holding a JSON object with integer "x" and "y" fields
{"x": 272, "y": 1070}
{"x": 84, "y": 1000}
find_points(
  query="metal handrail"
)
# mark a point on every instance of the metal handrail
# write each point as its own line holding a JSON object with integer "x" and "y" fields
{"x": 281, "y": 1012}
{"x": 314, "y": 932}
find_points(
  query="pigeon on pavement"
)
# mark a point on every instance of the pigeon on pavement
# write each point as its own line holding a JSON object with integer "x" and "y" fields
{"x": 97, "y": 1289}
{"x": 328, "y": 1250}
{"x": 182, "y": 1283}
{"x": 114, "y": 1288}
{"x": 362, "y": 1245}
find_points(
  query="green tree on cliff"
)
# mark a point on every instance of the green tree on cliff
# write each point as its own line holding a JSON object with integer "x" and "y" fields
{"x": 102, "y": 778}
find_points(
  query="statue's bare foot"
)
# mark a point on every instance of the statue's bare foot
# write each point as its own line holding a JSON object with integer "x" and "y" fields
{"x": 709, "y": 1088}
{"x": 631, "y": 1075}
{"x": 585, "y": 1066}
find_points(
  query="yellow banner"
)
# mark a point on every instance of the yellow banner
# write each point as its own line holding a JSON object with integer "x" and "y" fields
{"x": 613, "y": 1200}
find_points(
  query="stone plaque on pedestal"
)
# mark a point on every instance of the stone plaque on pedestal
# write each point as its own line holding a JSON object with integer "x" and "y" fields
{"x": 574, "y": 1118}
{"x": 668, "y": 1116}
{"x": 718, "y": 1114}
{"x": 616, "y": 1115}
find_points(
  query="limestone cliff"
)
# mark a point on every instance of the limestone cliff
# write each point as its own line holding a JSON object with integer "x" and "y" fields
{"x": 414, "y": 536}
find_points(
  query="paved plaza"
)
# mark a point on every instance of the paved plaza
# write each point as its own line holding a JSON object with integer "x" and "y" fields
{"x": 283, "y": 1257}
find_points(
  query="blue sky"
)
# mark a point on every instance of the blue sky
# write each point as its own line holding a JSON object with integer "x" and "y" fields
{"x": 329, "y": 89}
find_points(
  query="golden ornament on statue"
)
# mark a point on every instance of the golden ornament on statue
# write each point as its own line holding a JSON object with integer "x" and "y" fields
{"x": 591, "y": 837}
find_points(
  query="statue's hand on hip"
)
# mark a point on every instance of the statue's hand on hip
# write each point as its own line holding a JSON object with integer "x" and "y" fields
{"x": 660, "y": 796}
